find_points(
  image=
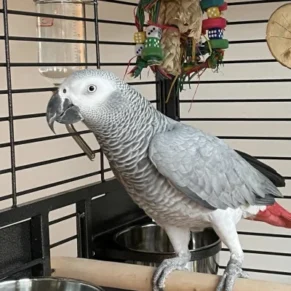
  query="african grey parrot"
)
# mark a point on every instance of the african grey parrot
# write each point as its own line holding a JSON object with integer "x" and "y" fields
{"x": 184, "y": 179}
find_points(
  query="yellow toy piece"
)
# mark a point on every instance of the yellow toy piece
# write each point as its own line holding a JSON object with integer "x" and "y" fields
{"x": 213, "y": 12}
{"x": 139, "y": 37}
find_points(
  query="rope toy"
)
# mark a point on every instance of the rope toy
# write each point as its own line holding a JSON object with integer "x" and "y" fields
{"x": 176, "y": 39}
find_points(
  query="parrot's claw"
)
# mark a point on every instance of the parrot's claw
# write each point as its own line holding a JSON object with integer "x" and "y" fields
{"x": 232, "y": 271}
{"x": 166, "y": 268}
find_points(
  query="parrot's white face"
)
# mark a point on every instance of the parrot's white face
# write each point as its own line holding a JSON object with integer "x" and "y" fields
{"x": 87, "y": 93}
{"x": 79, "y": 97}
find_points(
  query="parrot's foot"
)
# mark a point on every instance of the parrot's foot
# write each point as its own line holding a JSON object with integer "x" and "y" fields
{"x": 167, "y": 267}
{"x": 232, "y": 271}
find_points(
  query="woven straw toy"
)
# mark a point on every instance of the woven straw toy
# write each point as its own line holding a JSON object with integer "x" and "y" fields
{"x": 172, "y": 41}
{"x": 279, "y": 35}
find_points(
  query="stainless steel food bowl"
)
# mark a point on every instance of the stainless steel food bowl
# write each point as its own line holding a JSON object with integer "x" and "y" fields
{"x": 47, "y": 284}
{"x": 149, "y": 245}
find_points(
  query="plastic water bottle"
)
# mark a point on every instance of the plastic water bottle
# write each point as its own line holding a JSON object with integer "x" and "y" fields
{"x": 61, "y": 29}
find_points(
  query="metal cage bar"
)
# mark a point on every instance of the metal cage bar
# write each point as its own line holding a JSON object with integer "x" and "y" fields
{"x": 10, "y": 102}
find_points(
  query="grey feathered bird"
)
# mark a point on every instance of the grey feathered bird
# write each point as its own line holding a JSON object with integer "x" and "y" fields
{"x": 183, "y": 178}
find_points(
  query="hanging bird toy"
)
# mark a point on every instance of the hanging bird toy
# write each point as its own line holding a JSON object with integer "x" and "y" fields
{"x": 176, "y": 41}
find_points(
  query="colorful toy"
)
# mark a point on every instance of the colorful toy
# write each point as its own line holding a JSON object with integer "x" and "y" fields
{"x": 177, "y": 40}
{"x": 152, "y": 52}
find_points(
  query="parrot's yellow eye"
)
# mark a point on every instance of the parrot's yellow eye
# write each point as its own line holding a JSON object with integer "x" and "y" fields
{"x": 92, "y": 88}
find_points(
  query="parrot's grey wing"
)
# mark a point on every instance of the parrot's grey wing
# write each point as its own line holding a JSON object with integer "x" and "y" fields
{"x": 266, "y": 170}
{"x": 208, "y": 171}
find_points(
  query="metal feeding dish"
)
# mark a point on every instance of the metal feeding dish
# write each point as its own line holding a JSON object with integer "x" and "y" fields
{"x": 149, "y": 245}
{"x": 47, "y": 284}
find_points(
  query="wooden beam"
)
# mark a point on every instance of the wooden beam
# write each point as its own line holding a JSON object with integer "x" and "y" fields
{"x": 138, "y": 278}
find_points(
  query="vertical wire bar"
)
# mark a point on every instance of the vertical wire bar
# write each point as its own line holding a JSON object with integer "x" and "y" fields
{"x": 97, "y": 43}
{"x": 10, "y": 101}
{"x": 85, "y": 32}
{"x": 96, "y": 16}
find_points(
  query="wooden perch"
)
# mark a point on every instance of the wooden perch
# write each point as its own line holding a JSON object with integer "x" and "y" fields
{"x": 138, "y": 278}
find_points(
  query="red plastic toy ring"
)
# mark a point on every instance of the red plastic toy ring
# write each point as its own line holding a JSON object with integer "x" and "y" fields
{"x": 223, "y": 7}
{"x": 210, "y": 23}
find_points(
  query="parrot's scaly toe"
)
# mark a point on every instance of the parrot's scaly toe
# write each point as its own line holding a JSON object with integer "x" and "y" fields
{"x": 166, "y": 268}
{"x": 232, "y": 271}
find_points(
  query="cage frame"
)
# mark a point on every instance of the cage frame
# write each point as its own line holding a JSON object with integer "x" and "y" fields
{"x": 34, "y": 215}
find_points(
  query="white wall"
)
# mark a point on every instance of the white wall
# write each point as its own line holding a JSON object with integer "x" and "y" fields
{"x": 24, "y": 77}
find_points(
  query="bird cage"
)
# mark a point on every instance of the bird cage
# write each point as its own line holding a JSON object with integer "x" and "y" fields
{"x": 55, "y": 201}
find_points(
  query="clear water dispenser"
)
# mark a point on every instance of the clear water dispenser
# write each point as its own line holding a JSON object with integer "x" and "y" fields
{"x": 62, "y": 48}
{"x": 60, "y": 28}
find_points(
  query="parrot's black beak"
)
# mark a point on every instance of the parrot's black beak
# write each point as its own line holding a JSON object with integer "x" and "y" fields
{"x": 62, "y": 111}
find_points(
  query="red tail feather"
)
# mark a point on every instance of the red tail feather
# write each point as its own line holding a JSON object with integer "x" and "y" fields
{"x": 275, "y": 215}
